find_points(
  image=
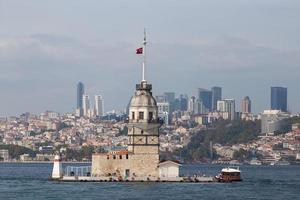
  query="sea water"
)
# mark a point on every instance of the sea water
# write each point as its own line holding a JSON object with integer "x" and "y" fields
{"x": 30, "y": 181}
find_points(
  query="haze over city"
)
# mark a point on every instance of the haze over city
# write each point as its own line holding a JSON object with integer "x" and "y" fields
{"x": 46, "y": 47}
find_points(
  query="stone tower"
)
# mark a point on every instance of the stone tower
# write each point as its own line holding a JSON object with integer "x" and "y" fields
{"x": 143, "y": 127}
{"x": 143, "y": 130}
{"x": 141, "y": 159}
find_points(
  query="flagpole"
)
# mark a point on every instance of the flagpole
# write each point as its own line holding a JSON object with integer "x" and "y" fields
{"x": 144, "y": 57}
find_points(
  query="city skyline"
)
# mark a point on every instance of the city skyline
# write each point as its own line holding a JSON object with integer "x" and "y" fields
{"x": 89, "y": 109}
{"x": 158, "y": 94}
{"x": 44, "y": 60}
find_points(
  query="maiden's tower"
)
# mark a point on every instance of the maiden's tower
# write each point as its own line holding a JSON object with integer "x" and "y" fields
{"x": 141, "y": 159}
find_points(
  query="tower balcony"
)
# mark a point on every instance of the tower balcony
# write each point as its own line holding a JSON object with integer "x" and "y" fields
{"x": 143, "y": 86}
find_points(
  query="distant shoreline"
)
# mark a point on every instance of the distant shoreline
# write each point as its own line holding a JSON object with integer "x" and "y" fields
{"x": 44, "y": 162}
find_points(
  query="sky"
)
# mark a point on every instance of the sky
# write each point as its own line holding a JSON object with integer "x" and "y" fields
{"x": 244, "y": 46}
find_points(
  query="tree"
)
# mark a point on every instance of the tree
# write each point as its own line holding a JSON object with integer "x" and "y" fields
{"x": 15, "y": 151}
{"x": 123, "y": 131}
{"x": 78, "y": 155}
{"x": 224, "y": 132}
{"x": 242, "y": 155}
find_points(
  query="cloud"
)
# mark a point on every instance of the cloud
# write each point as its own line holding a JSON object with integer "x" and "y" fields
{"x": 226, "y": 53}
{"x": 48, "y": 66}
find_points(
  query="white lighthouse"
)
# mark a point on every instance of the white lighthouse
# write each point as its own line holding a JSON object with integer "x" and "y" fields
{"x": 57, "y": 171}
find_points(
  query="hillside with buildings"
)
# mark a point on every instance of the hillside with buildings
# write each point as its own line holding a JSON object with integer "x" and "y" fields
{"x": 241, "y": 140}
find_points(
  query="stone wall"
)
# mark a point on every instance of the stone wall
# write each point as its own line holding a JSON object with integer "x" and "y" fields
{"x": 140, "y": 166}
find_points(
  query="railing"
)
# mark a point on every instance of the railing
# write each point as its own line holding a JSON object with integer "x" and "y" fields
{"x": 77, "y": 171}
{"x": 143, "y": 87}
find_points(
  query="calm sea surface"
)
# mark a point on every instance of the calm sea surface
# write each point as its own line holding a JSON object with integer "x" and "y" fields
{"x": 30, "y": 181}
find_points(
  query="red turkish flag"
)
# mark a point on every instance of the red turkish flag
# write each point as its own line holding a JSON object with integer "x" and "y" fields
{"x": 139, "y": 50}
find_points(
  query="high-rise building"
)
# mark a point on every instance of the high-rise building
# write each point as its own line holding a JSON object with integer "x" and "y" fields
{"x": 164, "y": 111}
{"x": 195, "y": 106}
{"x": 160, "y": 98}
{"x": 80, "y": 92}
{"x": 191, "y": 104}
{"x": 230, "y": 108}
{"x": 221, "y": 106}
{"x": 170, "y": 96}
{"x": 246, "y": 105}
{"x": 183, "y": 99}
{"x": 216, "y": 96}
{"x": 279, "y": 98}
{"x": 86, "y": 105}
{"x": 98, "y": 107}
{"x": 205, "y": 96}
{"x": 227, "y": 106}
{"x": 199, "y": 107}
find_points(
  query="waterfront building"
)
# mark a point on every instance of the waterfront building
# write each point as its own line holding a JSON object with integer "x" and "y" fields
{"x": 4, "y": 154}
{"x": 216, "y": 96}
{"x": 169, "y": 169}
{"x": 98, "y": 107}
{"x": 80, "y": 92}
{"x": 206, "y": 98}
{"x": 246, "y": 105}
{"x": 279, "y": 98}
{"x": 271, "y": 121}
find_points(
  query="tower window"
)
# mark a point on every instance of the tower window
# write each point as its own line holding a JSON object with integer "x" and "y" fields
{"x": 150, "y": 116}
{"x": 120, "y": 157}
{"x": 107, "y": 157}
{"x": 132, "y": 115}
{"x": 141, "y": 115}
{"x": 142, "y": 131}
{"x": 114, "y": 156}
{"x": 126, "y": 156}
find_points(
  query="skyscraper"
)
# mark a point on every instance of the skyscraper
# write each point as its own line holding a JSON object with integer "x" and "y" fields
{"x": 198, "y": 107}
{"x": 230, "y": 108}
{"x": 183, "y": 102}
{"x": 191, "y": 104}
{"x": 80, "y": 92}
{"x": 86, "y": 105}
{"x": 246, "y": 105}
{"x": 170, "y": 96}
{"x": 98, "y": 107}
{"x": 205, "y": 96}
{"x": 216, "y": 96}
{"x": 279, "y": 98}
